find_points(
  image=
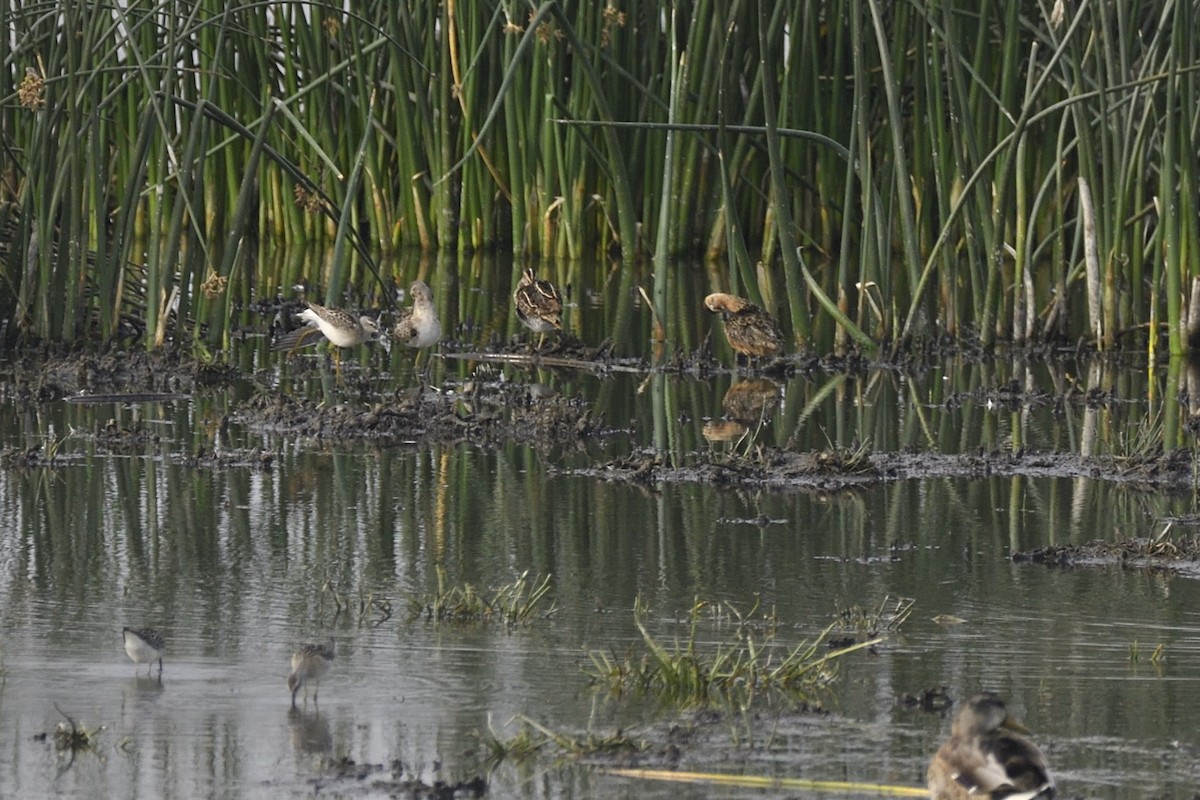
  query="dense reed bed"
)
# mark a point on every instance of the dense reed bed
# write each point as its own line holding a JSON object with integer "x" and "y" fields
{"x": 872, "y": 171}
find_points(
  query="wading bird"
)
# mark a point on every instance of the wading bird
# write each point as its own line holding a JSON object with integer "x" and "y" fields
{"x": 751, "y": 331}
{"x": 341, "y": 328}
{"x": 144, "y": 646}
{"x": 309, "y": 663}
{"x": 986, "y": 756}
{"x": 418, "y": 325}
{"x": 538, "y": 304}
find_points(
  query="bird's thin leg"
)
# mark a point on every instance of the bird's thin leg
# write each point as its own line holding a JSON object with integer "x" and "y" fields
{"x": 422, "y": 375}
{"x": 337, "y": 363}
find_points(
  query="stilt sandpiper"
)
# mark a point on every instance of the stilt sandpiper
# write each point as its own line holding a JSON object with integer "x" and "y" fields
{"x": 309, "y": 663}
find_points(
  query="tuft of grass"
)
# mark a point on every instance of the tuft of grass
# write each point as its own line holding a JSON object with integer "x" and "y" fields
{"x": 853, "y": 460}
{"x": 887, "y": 617}
{"x": 1141, "y": 440}
{"x": 534, "y": 738}
{"x": 367, "y": 608}
{"x": 513, "y": 604}
{"x": 518, "y": 748}
{"x": 750, "y": 667}
{"x": 755, "y": 618}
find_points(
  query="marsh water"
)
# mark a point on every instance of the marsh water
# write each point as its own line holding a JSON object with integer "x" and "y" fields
{"x": 310, "y": 537}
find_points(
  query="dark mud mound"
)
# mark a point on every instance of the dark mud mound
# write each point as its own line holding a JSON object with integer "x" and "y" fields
{"x": 768, "y": 467}
{"x": 1173, "y": 555}
{"x": 345, "y": 777}
{"x": 849, "y": 468}
{"x": 137, "y": 440}
{"x": 485, "y": 415}
{"x": 41, "y": 376}
{"x": 490, "y": 409}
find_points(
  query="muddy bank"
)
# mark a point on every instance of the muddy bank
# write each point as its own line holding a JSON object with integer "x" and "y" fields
{"x": 485, "y": 415}
{"x": 51, "y": 374}
{"x": 1177, "y": 555}
{"x": 345, "y": 777}
{"x": 487, "y": 410}
{"x": 771, "y": 468}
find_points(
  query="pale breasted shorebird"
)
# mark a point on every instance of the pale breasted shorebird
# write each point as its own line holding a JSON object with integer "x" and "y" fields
{"x": 144, "y": 646}
{"x": 538, "y": 304}
{"x": 309, "y": 663}
{"x": 340, "y": 327}
{"x": 986, "y": 756}
{"x": 751, "y": 331}
{"x": 418, "y": 325}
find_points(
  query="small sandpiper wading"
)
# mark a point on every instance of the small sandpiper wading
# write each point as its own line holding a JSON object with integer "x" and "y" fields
{"x": 418, "y": 325}
{"x": 144, "y": 646}
{"x": 309, "y": 663}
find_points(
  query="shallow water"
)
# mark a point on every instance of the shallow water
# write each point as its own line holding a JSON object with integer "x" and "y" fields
{"x": 239, "y": 565}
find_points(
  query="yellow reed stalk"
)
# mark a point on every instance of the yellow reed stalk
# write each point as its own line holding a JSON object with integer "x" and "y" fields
{"x": 763, "y": 782}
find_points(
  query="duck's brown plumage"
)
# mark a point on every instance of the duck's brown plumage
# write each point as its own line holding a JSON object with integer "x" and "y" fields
{"x": 986, "y": 756}
{"x": 750, "y": 330}
{"x": 538, "y": 303}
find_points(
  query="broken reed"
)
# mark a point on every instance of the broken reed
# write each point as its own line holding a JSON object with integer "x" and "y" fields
{"x": 512, "y": 604}
{"x": 751, "y": 666}
{"x": 929, "y": 156}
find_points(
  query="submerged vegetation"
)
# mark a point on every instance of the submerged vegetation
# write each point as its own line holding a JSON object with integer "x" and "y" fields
{"x": 751, "y": 666}
{"x": 512, "y": 604}
{"x": 533, "y": 739}
{"x": 72, "y": 737}
{"x": 887, "y": 617}
{"x": 1023, "y": 171}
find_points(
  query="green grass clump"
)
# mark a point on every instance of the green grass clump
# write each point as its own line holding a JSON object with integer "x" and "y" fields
{"x": 512, "y": 604}
{"x": 887, "y": 617}
{"x": 533, "y": 739}
{"x": 751, "y": 666}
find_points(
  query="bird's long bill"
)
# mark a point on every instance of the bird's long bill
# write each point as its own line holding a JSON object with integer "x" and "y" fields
{"x": 1013, "y": 725}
